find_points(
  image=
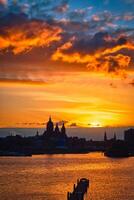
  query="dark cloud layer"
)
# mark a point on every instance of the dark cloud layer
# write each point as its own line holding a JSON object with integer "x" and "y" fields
{"x": 49, "y": 33}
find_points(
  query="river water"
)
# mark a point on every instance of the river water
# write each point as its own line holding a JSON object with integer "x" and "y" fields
{"x": 49, "y": 177}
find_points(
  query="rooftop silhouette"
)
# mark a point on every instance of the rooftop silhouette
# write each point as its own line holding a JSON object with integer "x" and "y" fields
{"x": 54, "y": 140}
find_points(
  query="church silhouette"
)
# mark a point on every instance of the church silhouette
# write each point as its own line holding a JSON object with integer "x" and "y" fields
{"x": 52, "y": 132}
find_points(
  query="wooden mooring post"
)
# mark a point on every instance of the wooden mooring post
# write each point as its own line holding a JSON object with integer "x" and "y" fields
{"x": 79, "y": 190}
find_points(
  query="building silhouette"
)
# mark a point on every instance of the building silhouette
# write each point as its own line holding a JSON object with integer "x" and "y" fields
{"x": 129, "y": 139}
{"x": 56, "y": 133}
{"x": 115, "y": 137}
{"x": 105, "y": 137}
{"x": 129, "y": 135}
{"x": 55, "y": 140}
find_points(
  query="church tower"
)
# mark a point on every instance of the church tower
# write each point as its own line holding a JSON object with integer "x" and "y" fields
{"x": 50, "y": 126}
{"x": 57, "y": 129}
{"x": 63, "y": 130}
{"x": 105, "y": 137}
{"x": 114, "y": 137}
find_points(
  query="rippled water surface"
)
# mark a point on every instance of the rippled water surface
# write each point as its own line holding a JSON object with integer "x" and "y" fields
{"x": 49, "y": 177}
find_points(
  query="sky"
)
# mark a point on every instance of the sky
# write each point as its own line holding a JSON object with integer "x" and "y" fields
{"x": 71, "y": 59}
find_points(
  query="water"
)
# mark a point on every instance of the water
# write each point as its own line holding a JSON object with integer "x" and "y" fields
{"x": 49, "y": 177}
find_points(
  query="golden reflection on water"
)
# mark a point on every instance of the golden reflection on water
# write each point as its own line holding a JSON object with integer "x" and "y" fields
{"x": 49, "y": 177}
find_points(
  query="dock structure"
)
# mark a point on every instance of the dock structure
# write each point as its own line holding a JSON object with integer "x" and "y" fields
{"x": 79, "y": 190}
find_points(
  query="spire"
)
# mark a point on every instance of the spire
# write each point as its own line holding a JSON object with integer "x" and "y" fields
{"x": 105, "y": 136}
{"x": 50, "y": 118}
{"x": 115, "y": 136}
{"x": 63, "y": 129}
{"x": 50, "y": 125}
{"x": 63, "y": 126}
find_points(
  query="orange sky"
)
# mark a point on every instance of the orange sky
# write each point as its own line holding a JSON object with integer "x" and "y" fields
{"x": 73, "y": 63}
{"x": 86, "y": 99}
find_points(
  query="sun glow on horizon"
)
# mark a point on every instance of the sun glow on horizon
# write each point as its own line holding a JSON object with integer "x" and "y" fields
{"x": 74, "y": 62}
{"x": 95, "y": 124}
{"x": 82, "y": 100}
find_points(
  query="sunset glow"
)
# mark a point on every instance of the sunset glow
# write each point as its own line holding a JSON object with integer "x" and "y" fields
{"x": 86, "y": 99}
{"x": 75, "y": 63}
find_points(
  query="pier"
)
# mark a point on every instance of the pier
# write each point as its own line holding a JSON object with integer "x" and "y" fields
{"x": 79, "y": 190}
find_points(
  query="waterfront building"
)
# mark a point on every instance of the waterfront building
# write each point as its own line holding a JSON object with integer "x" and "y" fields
{"x": 129, "y": 135}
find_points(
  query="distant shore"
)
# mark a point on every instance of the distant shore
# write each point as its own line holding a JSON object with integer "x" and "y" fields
{"x": 17, "y": 154}
{"x": 88, "y": 133}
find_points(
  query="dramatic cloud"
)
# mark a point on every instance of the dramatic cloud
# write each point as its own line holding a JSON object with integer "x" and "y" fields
{"x": 51, "y": 33}
{"x": 100, "y": 53}
{"x": 27, "y": 36}
{"x": 66, "y": 58}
